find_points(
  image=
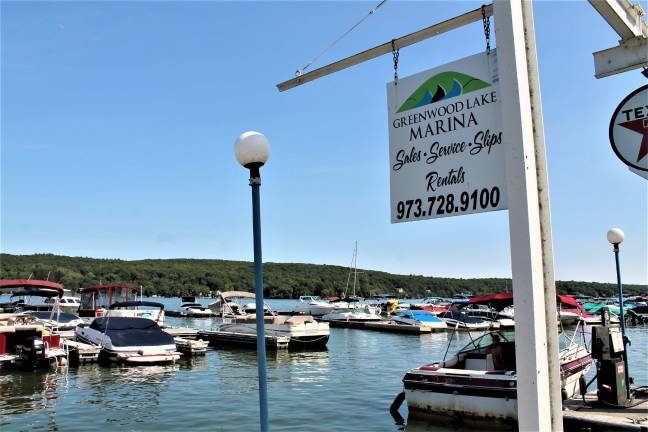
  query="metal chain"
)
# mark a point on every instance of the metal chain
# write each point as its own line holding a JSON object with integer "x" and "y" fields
{"x": 486, "y": 22}
{"x": 395, "y": 53}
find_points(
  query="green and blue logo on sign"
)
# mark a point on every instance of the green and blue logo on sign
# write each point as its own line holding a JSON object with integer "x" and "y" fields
{"x": 442, "y": 86}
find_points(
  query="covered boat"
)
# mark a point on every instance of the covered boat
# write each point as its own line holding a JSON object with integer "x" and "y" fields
{"x": 461, "y": 321}
{"x": 419, "y": 318}
{"x": 129, "y": 339}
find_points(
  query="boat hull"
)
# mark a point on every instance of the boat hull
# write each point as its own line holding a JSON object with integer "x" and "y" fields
{"x": 422, "y": 402}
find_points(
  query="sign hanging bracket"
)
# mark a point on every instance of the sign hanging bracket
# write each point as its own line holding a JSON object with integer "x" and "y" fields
{"x": 396, "y": 54}
{"x": 377, "y": 51}
{"x": 486, "y": 22}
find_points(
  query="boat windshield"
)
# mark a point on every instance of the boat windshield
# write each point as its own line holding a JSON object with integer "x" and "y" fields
{"x": 487, "y": 339}
{"x": 102, "y": 298}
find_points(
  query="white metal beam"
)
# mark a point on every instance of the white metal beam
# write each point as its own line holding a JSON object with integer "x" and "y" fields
{"x": 630, "y": 54}
{"x": 377, "y": 51}
{"x": 534, "y": 375}
{"x": 625, "y": 18}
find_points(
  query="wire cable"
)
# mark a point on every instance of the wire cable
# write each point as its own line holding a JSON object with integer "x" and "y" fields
{"x": 299, "y": 72}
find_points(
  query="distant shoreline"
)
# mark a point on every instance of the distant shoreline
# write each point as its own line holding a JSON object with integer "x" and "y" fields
{"x": 177, "y": 277}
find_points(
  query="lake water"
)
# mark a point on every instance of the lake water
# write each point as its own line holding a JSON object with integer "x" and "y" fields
{"x": 348, "y": 386}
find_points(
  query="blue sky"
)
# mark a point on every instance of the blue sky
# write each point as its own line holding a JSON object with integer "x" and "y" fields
{"x": 118, "y": 123}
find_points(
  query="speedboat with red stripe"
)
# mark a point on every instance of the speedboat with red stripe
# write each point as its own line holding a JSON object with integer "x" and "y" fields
{"x": 129, "y": 339}
{"x": 480, "y": 381}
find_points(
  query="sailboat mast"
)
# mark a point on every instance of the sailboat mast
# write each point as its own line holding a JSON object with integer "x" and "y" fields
{"x": 355, "y": 267}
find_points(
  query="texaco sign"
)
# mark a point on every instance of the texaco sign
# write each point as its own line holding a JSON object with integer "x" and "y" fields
{"x": 629, "y": 129}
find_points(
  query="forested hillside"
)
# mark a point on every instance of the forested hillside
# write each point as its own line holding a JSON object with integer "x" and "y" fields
{"x": 175, "y": 277}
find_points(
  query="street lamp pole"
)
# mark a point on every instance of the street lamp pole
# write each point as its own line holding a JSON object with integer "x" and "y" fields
{"x": 252, "y": 151}
{"x": 616, "y": 236}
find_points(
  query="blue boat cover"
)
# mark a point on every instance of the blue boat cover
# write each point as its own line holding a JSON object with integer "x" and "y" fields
{"x": 63, "y": 317}
{"x": 421, "y": 315}
{"x": 131, "y": 331}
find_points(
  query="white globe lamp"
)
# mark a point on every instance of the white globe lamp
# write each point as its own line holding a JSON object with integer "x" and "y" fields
{"x": 252, "y": 149}
{"x": 615, "y": 236}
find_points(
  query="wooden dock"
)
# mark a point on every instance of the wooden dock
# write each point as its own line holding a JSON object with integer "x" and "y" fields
{"x": 191, "y": 348}
{"x": 182, "y": 314}
{"x": 81, "y": 353}
{"x": 246, "y": 340}
{"x": 590, "y": 416}
{"x": 182, "y": 332}
{"x": 386, "y": 326}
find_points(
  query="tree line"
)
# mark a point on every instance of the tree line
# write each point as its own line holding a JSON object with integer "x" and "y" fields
{"x": 177, "y": 277}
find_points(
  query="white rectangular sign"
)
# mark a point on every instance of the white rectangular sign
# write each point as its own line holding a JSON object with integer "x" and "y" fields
{"x": 445, "y": 141}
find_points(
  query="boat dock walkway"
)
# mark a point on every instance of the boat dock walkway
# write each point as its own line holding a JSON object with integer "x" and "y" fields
{"x": 243, "y": 339}
{"x": 81, "y": 353}
{"x": 182, "y": 332}
{"x": 183, "y": 314}
{"x": 589, "y": 415}
{"x": 386, "y": 326}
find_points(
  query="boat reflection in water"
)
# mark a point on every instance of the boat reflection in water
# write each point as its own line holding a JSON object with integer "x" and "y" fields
{"x": 23, "y": 392}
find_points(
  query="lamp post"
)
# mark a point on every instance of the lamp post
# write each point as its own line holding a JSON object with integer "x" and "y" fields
{"x": 252, "y": 150}
{"x": 615, "y": 236}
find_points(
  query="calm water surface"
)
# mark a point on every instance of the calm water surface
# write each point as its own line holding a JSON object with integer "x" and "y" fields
{"x": 349, "y": 386}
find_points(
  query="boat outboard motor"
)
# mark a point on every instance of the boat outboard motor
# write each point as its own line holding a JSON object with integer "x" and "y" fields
{"x": 608, "y": 349}
{"x": 33, "y": 351}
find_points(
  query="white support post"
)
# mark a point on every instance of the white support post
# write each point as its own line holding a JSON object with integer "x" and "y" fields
{"x": 536, "y": 404}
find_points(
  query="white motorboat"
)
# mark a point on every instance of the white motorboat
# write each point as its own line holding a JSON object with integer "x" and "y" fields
{"x": 128, "y": 339}
{"x": 480, "y": 380}
{"x": 56, "y": 320}
{"x": 460, "y": 321}
{"x": 355, "y": 314}
{"x": 67, "y": 303}
{"x": 304, "y": 331}
{"x": 315, "y": 306}
{"x": 419, "y": 318}
{"x": 191, "y": 308}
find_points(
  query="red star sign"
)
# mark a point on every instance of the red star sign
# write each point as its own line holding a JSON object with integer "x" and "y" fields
{"x": 640, "y": 126}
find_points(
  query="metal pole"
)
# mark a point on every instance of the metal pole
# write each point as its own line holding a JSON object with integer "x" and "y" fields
{"x": 255, "y": 183}
{"x": 622, "y": 318}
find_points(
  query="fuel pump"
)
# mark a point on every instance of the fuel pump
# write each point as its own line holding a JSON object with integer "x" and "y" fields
{"x": 608, "y": 349}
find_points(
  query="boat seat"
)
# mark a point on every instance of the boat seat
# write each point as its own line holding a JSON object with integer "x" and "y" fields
{"x": 275, "y": 320}
{"x": 490, "y": 365}
{"x": 477, "y": 362}
{"x": 300, "y": 319}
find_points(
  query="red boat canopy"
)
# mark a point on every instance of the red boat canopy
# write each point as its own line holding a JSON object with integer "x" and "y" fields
{"x": 105, "y": 287}
{"x": 28, "y": 286}
{"x": 501, "y": 300}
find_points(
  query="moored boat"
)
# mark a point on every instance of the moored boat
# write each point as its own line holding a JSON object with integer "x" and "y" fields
{"x": 419, "y": 318}
{"x": 314, "y": 306}
{"x": 355, "y": 315}
{"x": 97, "y": 299}
{"x": 191, "y": 308}
{"x": 304, "y": 331}
{"x": 461, "y": 321}
{"x": 129, "y": 339}
{"x": 480, "y": 380}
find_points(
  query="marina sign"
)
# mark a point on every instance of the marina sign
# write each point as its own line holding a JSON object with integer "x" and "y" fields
{"x": 445, "y": 141}
{"x": 629, "y": 130}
